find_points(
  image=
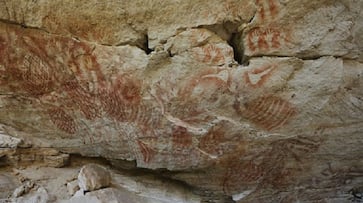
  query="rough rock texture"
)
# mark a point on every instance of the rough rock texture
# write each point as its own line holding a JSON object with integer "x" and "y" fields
{"x": 45, "y": 184}
{"x": 121, "y": 195}
{"x": 93, "y": 177}
{"x": 240, "y": 100}
{"x": 72, "y": 187}
{"x": 8, "y": 184}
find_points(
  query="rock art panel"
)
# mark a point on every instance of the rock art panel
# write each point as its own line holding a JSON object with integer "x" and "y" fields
{"x": 267, "y": 9}
{"x": 269, "y": 112}
{"x": 273, "y": 168}
{"x": 126, "y": 23}
{"x": 156, "y": 83}
{"x": 277, "y": 30}
{"x": 63, "y": 83}
{"x": 261, "y": 39}
{"x": 257, "y": 77}
{"x": 214, "y": 54}
{"x": 201, "y": 45}
{"x": 62, "y": 120}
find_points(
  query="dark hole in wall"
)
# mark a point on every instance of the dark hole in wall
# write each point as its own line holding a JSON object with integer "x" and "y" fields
{"x": 145, "y": 46}
{"x": 3, "y": 161}
{"x": 229, "y": 31}
{"x": 236, "y": 42}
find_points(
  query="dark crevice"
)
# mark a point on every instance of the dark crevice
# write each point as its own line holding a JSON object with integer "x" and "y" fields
{"x": 212, "y": 197}
{"x": 236, "y": 42}
{"x": 170, "y": 54}
{"x": 145, "y": 45}
{"x": 229, "y": 32}
{"x": 315, "y": 57}
{"x": 22, "y": 25}
{"x": 129, "y": 168}
{"x": 4, "y": 161}
{"x": 165, "y": 175}
{"x": 238, "y": 51}
{"x": 79, "y": 160}
{"x": 223, "y": 30}
{"x": 141, "y": 43}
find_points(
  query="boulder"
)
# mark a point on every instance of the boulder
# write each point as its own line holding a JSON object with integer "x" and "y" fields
{"x": 93, "y": 177}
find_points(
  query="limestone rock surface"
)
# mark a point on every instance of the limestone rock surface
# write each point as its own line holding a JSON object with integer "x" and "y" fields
{"x": 49, "y": 185}
{"x": 93, "y": 177}
{"x": 7, "y": 141}
{"x": 72, "y": 187}
{"x": 8, "y": 184}
{"x": 240, "y": 100}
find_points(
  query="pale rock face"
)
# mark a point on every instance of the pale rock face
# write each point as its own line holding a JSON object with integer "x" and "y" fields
{"x": 7, "y": 185}
{"x": 93, "y": 177}
{"x": 305, "y": 29}
{"x": 49, "y": 185}
{"x": 72, "y": 187}
{"x": 251, "y": 100}
{"x": 23, "y": 189}
{"x": 40, "y": 196}
{"x": 78, "y": 193}
{"x": 118, "y": 23}
{"x": 7, "y": 141}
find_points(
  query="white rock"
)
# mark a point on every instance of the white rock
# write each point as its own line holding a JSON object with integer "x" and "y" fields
{"x": 82, "y": 199}
{"x": 237, "y": 197}
{"x": 7, "y": 141}
{"x": 93, "y": 177}
{"x": 23, "y": 189}
{"x": 7, "y": 184}
{"x": 19, "y": 191}
{"x": 113, "y": 195}
{"x": 40, "y": 196}
{"x": 171, "y": 96}
{"x": 72, "y": 187}
{"x": 79, "y": 193}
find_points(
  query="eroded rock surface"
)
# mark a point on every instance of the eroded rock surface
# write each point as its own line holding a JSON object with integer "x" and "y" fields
{"x": 250, "y": 100}
{"x": 93, "y": 177}
{"x": 46, "y": 184}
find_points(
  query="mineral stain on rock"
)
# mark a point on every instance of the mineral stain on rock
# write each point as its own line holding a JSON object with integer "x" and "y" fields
{"x": 269, "y": 112}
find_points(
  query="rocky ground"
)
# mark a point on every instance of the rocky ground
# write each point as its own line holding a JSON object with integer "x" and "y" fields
{"x": 88, "y": 181}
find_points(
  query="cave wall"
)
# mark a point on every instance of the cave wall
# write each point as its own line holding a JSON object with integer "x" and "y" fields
{"x": 254, "y": 100}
